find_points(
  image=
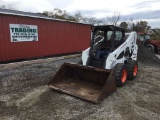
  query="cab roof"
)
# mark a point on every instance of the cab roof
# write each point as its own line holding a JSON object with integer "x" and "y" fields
{"x": 108, "y": 28}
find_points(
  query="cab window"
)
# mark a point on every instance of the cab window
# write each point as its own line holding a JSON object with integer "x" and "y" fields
{"x": 118, "y": 35}
{"x": 99, "y": 35}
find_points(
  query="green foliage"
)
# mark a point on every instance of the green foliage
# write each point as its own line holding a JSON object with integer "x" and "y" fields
{"x": 155, "y": 37}
{"x": 77, "y": 17}
{"x": 141, "y": 26}
{"x": 156, "y": 34}
{"x": 59, "y": 14}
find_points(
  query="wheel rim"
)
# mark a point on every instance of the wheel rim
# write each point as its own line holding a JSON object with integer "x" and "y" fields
{"x": 135, "y": 70}
{"x": 124, "y": 75}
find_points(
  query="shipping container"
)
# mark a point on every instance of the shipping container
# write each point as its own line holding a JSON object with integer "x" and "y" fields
{"x": 28, "y": 35}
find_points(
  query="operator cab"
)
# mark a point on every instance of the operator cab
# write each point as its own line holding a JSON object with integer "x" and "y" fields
{"x": 143, "y": 38}
{"x": 104, "y": 40}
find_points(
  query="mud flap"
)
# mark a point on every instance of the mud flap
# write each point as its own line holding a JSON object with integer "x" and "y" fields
{"x": 89, "y": 83}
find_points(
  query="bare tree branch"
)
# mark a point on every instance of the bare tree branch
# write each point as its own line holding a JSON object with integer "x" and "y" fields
{"x": 114, "y": 18}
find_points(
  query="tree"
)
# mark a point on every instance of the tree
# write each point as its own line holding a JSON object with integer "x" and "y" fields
{"x": 138, "y": 26}
{"x": 59, "y": 14}
{"x": 7, "y": 6}
{"x": 104, "y": 21}
{"x": 113, "y": 20}
{"x": 90, "y": 20}
{"x": 78, "y": 16}
{"x": 130, "y": 24}
{"x": 156, "y": 33}
{"x": 141, "y": 26}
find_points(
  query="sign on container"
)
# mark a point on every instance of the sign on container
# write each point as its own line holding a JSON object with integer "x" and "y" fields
{"x": 21, "y": 32}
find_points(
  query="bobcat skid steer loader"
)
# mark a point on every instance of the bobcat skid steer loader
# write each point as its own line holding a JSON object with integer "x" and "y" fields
{"x": 109, "y": 62}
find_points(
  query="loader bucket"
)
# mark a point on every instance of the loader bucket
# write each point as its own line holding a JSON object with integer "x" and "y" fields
{"x": 89, "y": 83}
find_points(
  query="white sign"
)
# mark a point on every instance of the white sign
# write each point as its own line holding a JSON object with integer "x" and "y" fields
{"x": 20, "y": 32}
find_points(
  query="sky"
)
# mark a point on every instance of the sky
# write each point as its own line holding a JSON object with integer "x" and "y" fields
{"x": 148, "y": 10}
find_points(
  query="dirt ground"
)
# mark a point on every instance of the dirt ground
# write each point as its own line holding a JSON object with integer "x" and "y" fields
{"x": 25, "y": 96}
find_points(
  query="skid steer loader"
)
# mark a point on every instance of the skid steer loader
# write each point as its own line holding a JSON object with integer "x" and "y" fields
{"x": 109, "y": 62}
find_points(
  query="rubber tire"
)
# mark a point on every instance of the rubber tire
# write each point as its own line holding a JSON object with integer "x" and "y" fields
{"x": 130, "y": 69}
{"x": 118, "y": 69}
{"x": 151, "y": 47}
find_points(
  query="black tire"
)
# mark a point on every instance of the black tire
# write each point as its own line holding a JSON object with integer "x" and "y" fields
{"x": 120, "y": 74}
{"x": 132, "y": 69}
{"x": 151, "y": 47}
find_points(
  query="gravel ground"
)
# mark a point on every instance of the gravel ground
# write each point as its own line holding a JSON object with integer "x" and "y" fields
{"x": 24, "y": 95}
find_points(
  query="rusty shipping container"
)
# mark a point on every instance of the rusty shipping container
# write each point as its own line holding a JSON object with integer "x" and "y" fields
{"x": 53, "y": 36}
